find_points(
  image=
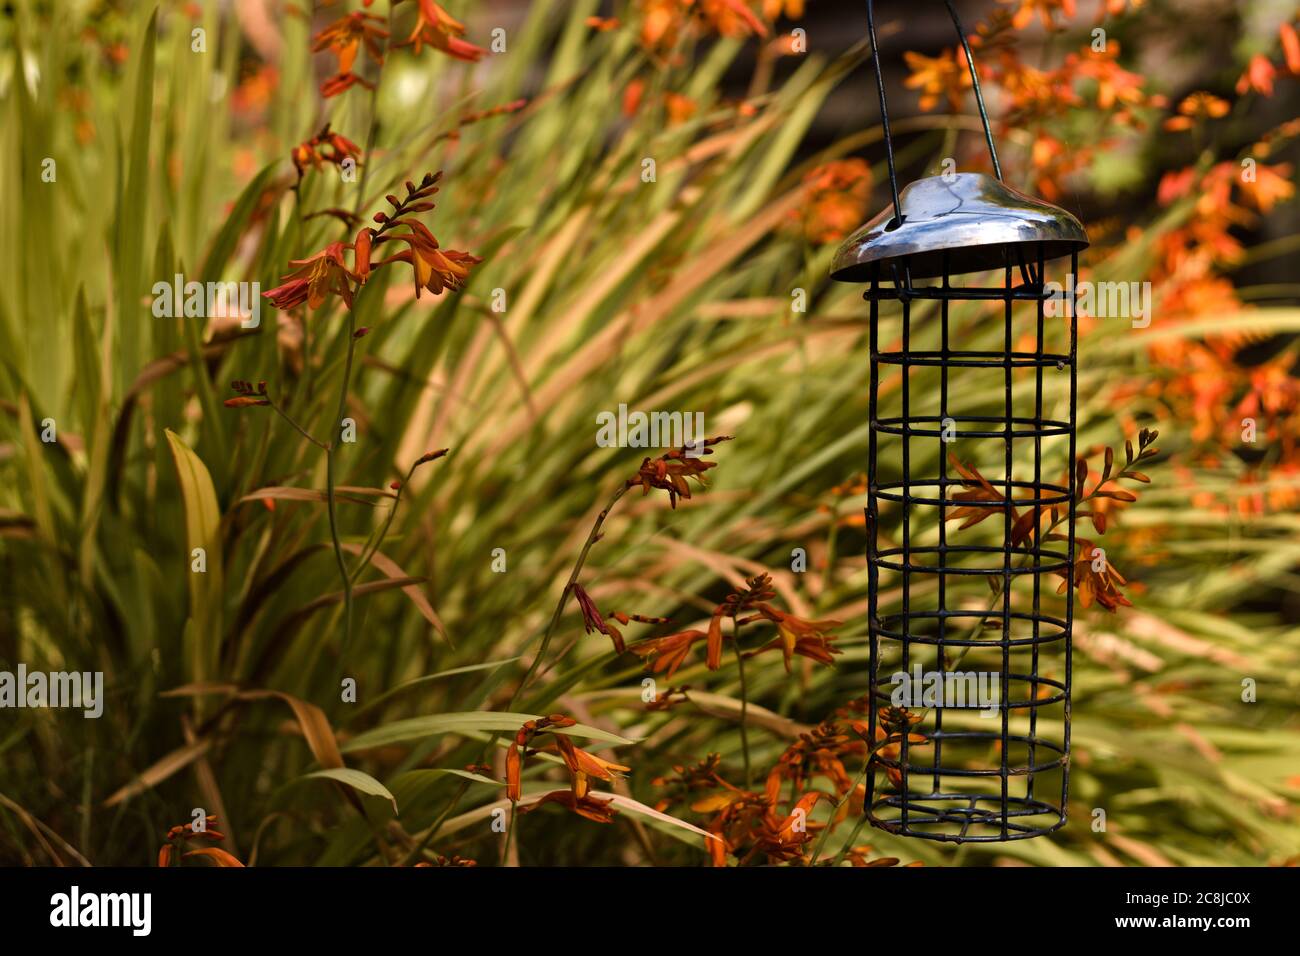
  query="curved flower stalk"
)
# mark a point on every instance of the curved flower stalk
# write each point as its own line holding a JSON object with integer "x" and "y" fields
{"x": 327, "y": 272}
{"x": 319, "y": 277}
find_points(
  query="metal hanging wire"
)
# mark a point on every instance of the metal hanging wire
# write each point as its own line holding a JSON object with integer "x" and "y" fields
{"x": 884, "y": 106}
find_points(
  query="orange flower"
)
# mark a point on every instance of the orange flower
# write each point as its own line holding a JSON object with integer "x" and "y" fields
{"x": 1197, "y": 106}
{"x": 632, "y": 95}
{"x": 1290, "y": 48}
{"x": 985, "y": 500}
{"x": 216, "y": 855}
{"x": 582, "y": 766}
{"x": 944, "y": 75}
{"x": 244, "y": 401}
{"x": 893, "y": 722}
{"x": 713, "y": 656}
{"x": 1115, "y": 85}
{"x": 817, "y": 752}
{"x": 519, "y": 748}
{"x": 1271, "y": 185}
{"x": 455, "y": 860}
{"x": 1102, "y": 586}
{"x": 795, "y": 635}
{"x": 1046, "y": 10}
{"x": 679, "y": 108}
{"x": 341, "y": 83}
{"x": 1258, "y": 76}
{"x": 440, "y": 30}
{"x": 315, "y": 278}
{"x": 792, "y": 9}
{"x": 435, "y": 268}
{"x": 861, "y": 855}
{"x": 797, "y": 828}
{"x": 514, "y": 766}
{"x": 730, "y": 18}
{"x": 346, "y": 35}
{"x": 837, "y": 198}
{"x": 593, "y": 808}
{"x": 177, "y": 838}
{"x": 668, "y": 653}
{"x": 592, "y": 620}
{"x": 324, "y": 147}
{"x": 664, "y": 21}
{"x": 669, "y": 472}
{"x": 344, "y": 38}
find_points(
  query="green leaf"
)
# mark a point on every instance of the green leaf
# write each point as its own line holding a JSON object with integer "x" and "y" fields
{"x": 355, "y": 779}
{"x": 133, "y": 213}
{"x": 202, "y": 530}
{"x": 223, "y": 246}
{"x": 428, "y": 678}
{"x": 416, "y": 728}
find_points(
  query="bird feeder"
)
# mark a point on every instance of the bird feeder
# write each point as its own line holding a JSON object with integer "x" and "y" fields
{"x": 973, "y": 422}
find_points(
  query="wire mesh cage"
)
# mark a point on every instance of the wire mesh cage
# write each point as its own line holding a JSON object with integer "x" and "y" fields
{"x": 972, "y": 418}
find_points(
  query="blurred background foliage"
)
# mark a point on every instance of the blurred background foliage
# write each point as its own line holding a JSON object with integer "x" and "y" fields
{"x": 676, "y": 294}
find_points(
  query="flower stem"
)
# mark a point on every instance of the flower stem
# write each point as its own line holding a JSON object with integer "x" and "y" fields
{"x": 592, "y": 538}
{"x": 298, "y": 428}
{"x": 330, "y": 451}
{"x": 744, "y": 697}
{"x": 368, "y": 552}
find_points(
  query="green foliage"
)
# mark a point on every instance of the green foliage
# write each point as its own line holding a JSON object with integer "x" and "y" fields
{"x": 667, "y": 295}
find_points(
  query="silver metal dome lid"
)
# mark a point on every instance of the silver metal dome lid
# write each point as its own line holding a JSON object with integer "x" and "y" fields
{"x": 967, "y": 216}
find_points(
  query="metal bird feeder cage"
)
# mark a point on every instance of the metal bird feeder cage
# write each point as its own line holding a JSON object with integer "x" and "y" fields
{"x": 983, "y": 429}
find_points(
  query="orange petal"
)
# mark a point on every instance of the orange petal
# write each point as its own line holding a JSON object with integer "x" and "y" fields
{"x": 512, "y": 773}
{"x": 715, "y": 641}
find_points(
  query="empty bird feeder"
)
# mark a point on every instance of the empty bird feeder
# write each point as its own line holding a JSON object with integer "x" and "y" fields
{"x": 970, "y": 501}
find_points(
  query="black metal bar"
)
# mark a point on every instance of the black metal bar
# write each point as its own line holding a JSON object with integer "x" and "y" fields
{"x": 942, "y": 502}
{"x": 1038, "y": 508}
{"x": 1007, "y": 517}
{"x": 873, "y": 530}
{"x": 983, "y": 294}
{"x": 907, "y": 511}
{"x": 976, "y": 359}
{"x": 1075, "y": 490}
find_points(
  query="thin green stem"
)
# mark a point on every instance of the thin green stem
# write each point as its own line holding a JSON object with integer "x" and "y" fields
{"x": 372, "y": 132}
{"x": 373, "y": 546}
{"x": 298, "y": 428}
{"x": 510, "y": 834}
{"x": 592, "y": 538}
{"x": 330, "y": 451}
